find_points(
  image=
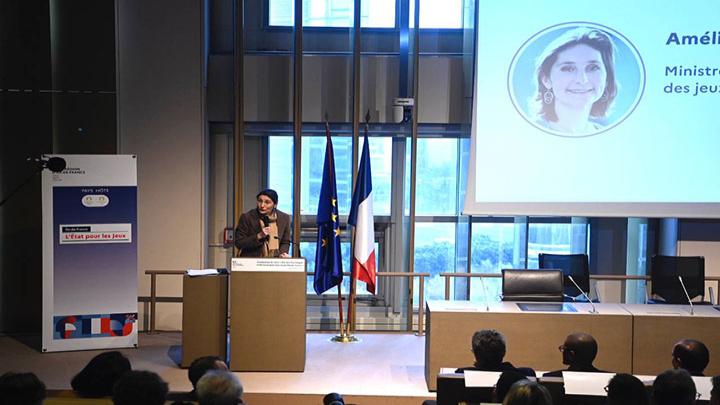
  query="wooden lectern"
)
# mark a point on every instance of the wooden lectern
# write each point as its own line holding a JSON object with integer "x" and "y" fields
{"x": 267, "y": 314}
{"x": 204, "y": 317}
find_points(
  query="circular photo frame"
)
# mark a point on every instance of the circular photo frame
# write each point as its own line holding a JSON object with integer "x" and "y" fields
{"x": 576, "y": 79}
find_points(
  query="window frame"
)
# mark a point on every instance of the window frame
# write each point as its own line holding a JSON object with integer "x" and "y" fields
{"x": 376, "y": 30}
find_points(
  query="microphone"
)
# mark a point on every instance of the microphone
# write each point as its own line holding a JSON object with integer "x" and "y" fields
{"x": 597, "y": 292}
{"x": 485, "y": 294}
{"x": 265, "y": 219}
{"x": 692, "y": 310}
{"x": 593, "y": 310}
{"x": 55, "y": 164}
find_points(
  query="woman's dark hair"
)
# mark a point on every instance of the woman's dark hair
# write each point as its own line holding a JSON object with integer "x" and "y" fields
{"x": 488, "y": 346}
{"x": 333, "y": 398}
{"x": 21, "y": 389}
{"x": 140, "y": 387}
{"x": 97, "y": 378}
{"x": 526, "y": 392}
{"x": 505, "y": 382}
{"x": 626, "y": 389}
{"x": 594, "y": 38}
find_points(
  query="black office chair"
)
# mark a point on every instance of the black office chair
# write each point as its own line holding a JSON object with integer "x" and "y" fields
{"x": 666, "y": 287}
{"x": 532, "y": 285}
{"x": 575, "y": 265}
{"x": 451, "y": 390}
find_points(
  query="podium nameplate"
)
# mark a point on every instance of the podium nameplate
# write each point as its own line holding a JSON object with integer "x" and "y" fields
{"x": 268, "y": 264}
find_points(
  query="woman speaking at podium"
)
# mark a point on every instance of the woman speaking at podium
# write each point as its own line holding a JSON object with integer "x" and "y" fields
{"x": 264, "y": 231}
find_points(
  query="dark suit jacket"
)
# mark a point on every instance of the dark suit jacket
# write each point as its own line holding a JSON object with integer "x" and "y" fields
{"x": 504, "y": 366}
{"x": 249, "y": 226}
{"x": 558, "y": 373}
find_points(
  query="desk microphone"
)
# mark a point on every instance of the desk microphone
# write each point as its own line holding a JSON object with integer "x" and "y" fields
{"x": 692, "y": 310}
{"x": 487, "y": 303}
{"x": 593, "y": 310}
{"x": 597, "y": 292}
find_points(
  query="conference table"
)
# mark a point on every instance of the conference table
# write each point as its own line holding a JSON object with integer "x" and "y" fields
{"x": 656, "y": 328}
{"x": 631, "y": 338}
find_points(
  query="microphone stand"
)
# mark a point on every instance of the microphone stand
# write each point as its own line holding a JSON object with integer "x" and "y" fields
{"x": 593, "y": 310}
{"x": 485, "y": 294}
{"x": 687, "y": 295}
{"x": 27, "y": 180}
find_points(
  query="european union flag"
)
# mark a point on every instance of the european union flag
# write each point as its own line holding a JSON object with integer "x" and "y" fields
{"x": 328, "y": 259}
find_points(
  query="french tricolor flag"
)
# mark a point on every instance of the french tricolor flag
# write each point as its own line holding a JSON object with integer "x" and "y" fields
{"x": 361, "y": 217}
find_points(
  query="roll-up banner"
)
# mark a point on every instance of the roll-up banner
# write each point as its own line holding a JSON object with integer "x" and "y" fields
{"x": 90, "y": 253}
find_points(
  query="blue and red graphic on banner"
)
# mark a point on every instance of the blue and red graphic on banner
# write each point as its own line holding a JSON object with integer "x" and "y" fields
{"x": 93, "y": 326}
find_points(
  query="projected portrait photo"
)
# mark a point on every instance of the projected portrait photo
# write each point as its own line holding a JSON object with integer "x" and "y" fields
{"x": 576, "y": 79}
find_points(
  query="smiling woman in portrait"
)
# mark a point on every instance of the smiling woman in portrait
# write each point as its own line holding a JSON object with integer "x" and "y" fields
{"x": 576, "y": 85}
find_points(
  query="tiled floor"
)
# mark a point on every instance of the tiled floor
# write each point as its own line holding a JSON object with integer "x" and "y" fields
{"x": 381, "y": 364}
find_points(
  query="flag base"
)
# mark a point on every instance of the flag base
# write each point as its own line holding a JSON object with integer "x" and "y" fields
{"x": 344, "y": 336}
{"x": 344, "y": 339}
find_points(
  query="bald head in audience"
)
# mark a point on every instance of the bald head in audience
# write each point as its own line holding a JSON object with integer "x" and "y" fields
{"x": 578, "y": 353}
{"x": 691, "y": 355}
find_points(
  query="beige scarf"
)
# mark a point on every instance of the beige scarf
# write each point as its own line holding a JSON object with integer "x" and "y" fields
{"x": 271, "y": 246}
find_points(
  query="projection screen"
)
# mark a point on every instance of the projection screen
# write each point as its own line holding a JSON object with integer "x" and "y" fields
{"x": 596, "y": 109}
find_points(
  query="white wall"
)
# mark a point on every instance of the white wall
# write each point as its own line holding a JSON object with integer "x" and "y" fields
{"x": 161, "y": 120}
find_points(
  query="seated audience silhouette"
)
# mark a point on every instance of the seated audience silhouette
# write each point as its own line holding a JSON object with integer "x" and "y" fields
{"x": 691, "y": 355}
{"x": 21, "y": 389}
{"x": 715, "y": 393}
{"x": 578, "y": 353}
{"x": 526, "y": 392}
{"x": 489, "y": 348}
{"x": 506, "y": 380}
{"x": 626, "y": 389}
{"x": 197, "y": 369}
{"x": 140, "y": 388}
{"x": 674, "y": 387}
{"x": 97, "y": 378}
{"x": 333, "y": 398}
{"x": 219, "y": 387}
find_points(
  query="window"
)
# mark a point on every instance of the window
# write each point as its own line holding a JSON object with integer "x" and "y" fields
{"x": 434, "y": 254}
{"x": 555, "y": 238}
{"x": 280, "y": 152}
{"x": 280, "y": 170}
{"x": 495, "y": 246}
{"x": 438, "y": 14}
{"x": 435, "y": 14}
{"x": 437, "y": 176}
{"x": 333, "y": 13}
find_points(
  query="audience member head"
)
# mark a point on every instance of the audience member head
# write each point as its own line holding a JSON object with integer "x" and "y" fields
{"x": 333, "y": 398}
{"x": 715, "y": 393}
{"x": 691, "y": 355}
{"x": 488, "y": 346}
{"x": 674, "y": 387}
{"x": 526, "y": 392}
{"x": 97, "y": 378}
{"x": 140, "y": 388}
{"x": 201, "y": 365}
{"x": 21, "y": 389}
{"x": 579, "y": 349}
{"x": 626, "y": 389}
{"x": 219, "y": 387}
{"x": 506, "y": 380}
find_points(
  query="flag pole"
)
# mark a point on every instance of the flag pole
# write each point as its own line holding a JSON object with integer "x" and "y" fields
{"x": 342, "y": 337}
{"x": 339, "y": 287}
{"x": 352, "y": 313}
